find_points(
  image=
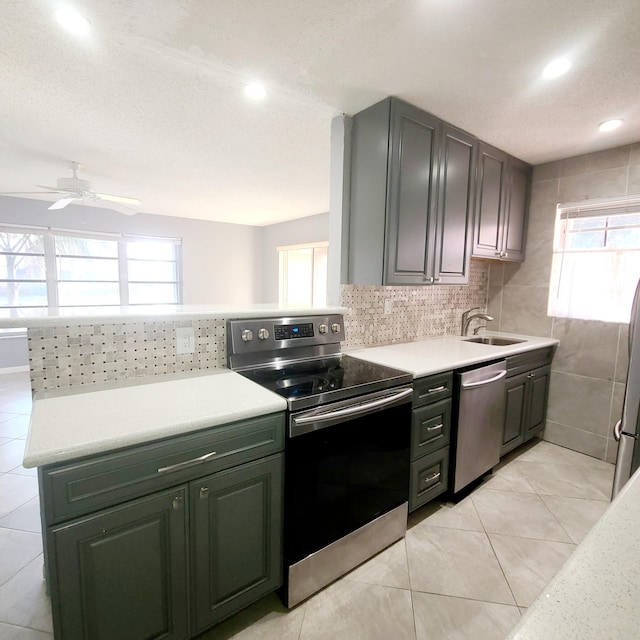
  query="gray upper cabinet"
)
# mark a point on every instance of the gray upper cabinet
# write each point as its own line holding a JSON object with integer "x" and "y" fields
{"x": 411, "y": 197}
{"x": 501, "y": 203}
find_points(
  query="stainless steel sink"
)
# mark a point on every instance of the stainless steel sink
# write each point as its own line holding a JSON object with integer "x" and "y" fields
{"x": 494, "y": 340}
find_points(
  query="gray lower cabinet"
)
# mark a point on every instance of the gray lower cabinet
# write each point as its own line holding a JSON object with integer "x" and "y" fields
{"x": 122, "y": 573}
{"x": 236, "y": 538}
{"x": 430, "y": 438}
{"x": 527, "y": 393}
{"x": 162, "y": 540}
{"x": 412, "y": 184}
{"x": 501, "y": 203}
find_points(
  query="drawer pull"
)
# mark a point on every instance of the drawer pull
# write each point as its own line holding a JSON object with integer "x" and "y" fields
{"x": 177, "y": 502}
{"x": 434, "y": 427}
{"x": 188, "y": 463}
{"x": 436, "y": 389}
{"x": 432, "y": 477}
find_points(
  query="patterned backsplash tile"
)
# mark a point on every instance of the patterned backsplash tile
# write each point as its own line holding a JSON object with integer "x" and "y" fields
{"x": 416, "y": 312}
{"x": 65, "y": 356}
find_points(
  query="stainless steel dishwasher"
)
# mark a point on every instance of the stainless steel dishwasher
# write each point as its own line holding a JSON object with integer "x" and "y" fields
{"x": 481, "y": 403}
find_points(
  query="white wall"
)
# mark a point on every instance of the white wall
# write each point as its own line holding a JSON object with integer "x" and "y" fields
{"x": 221, "y": 262}
{"x": 300, "y": 231}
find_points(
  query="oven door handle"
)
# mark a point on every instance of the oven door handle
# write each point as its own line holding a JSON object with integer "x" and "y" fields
{"x": 355, "y": 410}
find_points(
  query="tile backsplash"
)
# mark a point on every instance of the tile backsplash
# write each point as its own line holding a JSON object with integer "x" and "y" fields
{"x": 69, "y": 355}
{"x": 65, "y": 356}
{"x": 415, "y": 312}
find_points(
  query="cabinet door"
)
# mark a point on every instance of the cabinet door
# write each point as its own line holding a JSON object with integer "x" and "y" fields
{"x": 413, "y": 173}
{"x": 538, "y": 381}
{"x": 237, "y": 538}
{"x": 515, "y": 223}
{"x": 122, "y": 573}
{"x": 455, "y": 207}
{"x": 489, "y": 204}
{"x": 515, "y": 412}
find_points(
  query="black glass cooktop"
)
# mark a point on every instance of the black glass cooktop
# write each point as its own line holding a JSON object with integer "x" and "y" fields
{"x": 310, "y": 383}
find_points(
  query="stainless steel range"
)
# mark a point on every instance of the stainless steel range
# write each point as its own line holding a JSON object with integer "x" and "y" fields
{"x": 347, "y": 450}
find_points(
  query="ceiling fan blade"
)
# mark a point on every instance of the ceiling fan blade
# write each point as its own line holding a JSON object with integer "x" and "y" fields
{"x": 120, "y": 199}
{"x": 25, "y": 193}
{"x": 51, "y": 189}
{"x": 61, "y": 204}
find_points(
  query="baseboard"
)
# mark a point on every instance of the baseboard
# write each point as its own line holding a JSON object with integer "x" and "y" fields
{"x": 15, "y": 369}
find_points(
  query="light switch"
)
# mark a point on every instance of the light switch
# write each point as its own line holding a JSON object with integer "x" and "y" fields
{"x": 185, "y": 340}
{"x": 388, "y": 306}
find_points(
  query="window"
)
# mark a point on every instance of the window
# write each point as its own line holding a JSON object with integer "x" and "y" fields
{"x": 303, "y": 275}
{"x": 596, "y": 259}
{"x": 57, "y": 268}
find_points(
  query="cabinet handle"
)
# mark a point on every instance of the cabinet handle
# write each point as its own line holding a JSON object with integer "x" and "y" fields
{"x": 436, "y": 389}
{"x": 433, "y": 476}
{"x": 177, "y": 502}
{"x": 204, "y": 493}
{"x": 187, "y": 463}
{"x": 436, "y": 426}
{"x": 499, "y": 254}
{"x": 531, "y": 375}
{"x": 437, "y": 279}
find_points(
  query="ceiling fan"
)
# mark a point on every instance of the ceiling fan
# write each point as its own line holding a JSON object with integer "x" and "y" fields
{"x": 75, "y": 188}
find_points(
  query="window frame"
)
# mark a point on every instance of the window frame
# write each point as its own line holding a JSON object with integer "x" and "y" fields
{"x": 52, "y": 278}
{"x": 565, "y": 255}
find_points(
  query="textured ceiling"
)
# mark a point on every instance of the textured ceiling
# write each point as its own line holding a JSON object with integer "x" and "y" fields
{"x": 151, "y": 104}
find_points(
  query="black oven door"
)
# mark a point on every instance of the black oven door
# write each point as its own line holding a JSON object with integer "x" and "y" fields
{"x": 346, "y": 464}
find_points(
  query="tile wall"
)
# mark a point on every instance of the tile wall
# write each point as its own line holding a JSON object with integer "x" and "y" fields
{"x": 65, "y": 356}
{"x": 416, "y": 312}
{"x": 589, "y": 369}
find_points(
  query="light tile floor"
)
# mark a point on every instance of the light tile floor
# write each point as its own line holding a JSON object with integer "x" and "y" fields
{"x": 464, "y": 571}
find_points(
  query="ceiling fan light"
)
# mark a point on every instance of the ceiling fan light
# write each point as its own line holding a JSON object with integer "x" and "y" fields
{"x": 73, "y": 21}
{"x": 610, "y": 125}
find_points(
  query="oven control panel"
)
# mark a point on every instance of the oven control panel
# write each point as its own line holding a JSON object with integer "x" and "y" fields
{"x": 253, "y": 335}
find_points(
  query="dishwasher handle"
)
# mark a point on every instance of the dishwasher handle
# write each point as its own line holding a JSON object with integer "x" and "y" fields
{"x": 471, "y": 385}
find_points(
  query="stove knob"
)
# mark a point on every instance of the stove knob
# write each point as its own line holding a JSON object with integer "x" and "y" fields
{"x": 335, "y": 327}
{"x": 263, "y": 334}
{"x": 247, "y": 335}
{"x": 323, "y": 329}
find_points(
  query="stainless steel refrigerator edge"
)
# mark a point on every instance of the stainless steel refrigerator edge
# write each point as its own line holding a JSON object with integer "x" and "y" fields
{"x": 626, "y": 429}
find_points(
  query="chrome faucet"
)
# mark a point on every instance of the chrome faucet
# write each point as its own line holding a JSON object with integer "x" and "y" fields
{"x": 466, "y": 319}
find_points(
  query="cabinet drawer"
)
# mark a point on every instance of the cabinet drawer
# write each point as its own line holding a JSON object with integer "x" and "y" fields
{"x": 522, "y": 362}
{"x": 83, "y": 486}
{"x": 432, "y": 388}
{"x": 429, "y": 478}
{"x": 430, "y": 428}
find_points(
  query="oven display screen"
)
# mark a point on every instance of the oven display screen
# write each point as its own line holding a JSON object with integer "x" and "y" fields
{"x": 293, "y": 331}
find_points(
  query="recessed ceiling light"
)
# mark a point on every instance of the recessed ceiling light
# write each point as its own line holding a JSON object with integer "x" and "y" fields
{"x": 73, "y": 21}
{"x": 610, "y": 125}
{"x": 255, "y": 91}
{"x": 557, "y": 68}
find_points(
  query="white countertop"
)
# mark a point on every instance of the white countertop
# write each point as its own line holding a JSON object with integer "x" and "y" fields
{"x": 68, "y": 426}
{"x": 596, "y": 594}
{"x": 434, "y": 355}
{"x": 83, "y": 315}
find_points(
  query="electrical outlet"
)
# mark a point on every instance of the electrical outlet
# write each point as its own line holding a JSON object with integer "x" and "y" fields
{"x": 388, "y": 306}
{"x": 185, "y": 340}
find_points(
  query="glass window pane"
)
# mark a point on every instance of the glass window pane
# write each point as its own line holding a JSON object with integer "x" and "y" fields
{"x": 587, "y": 223}
{"x": 624, "y": 220}
{"x": 152, "y": 293}
{"x": 87, "y": 269}
{"x": 586, "y": 240}
{"x": 152, "y": 271}
{"x": 70, "y": 246}
{"x": 23, "y": 294}
{"x": 21, "y": 267}
{"x": 299, "y": 273}
{"x": 623, "y": 238}
{"x": 21, "y": 242}
{"x": 150, "y": 250}
{"x": 79, "y": 294}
